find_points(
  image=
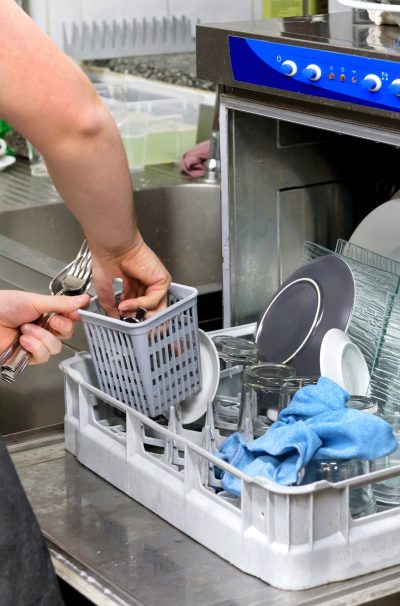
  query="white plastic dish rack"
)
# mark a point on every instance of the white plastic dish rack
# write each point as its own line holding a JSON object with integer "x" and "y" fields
{"x": 290, "y": 537}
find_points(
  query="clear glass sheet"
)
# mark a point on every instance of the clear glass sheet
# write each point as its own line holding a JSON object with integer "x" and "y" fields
{"x": 372, "y": 286}
{"x": 385, "y": 376}
{"x": 372, "y": 259}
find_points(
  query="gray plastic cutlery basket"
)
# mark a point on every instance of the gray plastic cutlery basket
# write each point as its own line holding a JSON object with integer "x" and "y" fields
{"x": 150, "y": 365}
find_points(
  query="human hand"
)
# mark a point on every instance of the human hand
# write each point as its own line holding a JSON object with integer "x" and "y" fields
{"x": 146, "y": 280}
{"x": 19, "y": 309}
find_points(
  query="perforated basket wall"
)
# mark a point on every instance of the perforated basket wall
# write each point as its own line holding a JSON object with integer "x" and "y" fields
{"x": 150, "y": 365}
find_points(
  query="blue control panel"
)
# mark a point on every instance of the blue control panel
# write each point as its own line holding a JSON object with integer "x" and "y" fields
{"x": 321, "y": 73}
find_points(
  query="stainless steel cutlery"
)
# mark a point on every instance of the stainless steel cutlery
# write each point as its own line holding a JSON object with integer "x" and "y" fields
{"x": 74, "y": 279}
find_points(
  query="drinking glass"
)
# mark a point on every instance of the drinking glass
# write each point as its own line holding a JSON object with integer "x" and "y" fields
{"x": 235, "y": 350}
{"x": 37, "y": 164}
{"x": 235, "y": 354}
{"x": 387, "y": 492}
{"x": 260, "y": 397}
{"x": 363, "y": 403}
{"x": 290, "y": 387}
{"x": 361, "y": 499}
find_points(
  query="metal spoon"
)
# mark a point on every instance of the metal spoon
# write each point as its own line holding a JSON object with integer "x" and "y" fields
{"x": 118, "y": 289}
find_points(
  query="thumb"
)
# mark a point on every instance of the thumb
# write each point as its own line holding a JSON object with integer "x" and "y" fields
{"x": 60, "y": 303}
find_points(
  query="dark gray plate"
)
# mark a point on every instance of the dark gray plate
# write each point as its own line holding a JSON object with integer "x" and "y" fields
{"x": 315, "y": 298}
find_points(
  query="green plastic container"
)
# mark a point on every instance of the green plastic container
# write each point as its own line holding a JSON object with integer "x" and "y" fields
{"x": 293, "y": 8}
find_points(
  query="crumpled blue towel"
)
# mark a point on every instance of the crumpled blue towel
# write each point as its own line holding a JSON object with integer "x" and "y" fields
{"x": 316, "y": 424}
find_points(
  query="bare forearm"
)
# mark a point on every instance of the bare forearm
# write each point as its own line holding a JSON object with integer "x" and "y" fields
{"x": 50, "y": 101}
{"x": 92, "y": 176}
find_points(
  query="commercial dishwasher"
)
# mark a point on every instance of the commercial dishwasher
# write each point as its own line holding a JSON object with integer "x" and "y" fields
{"x": 298, "y": 161}
{"x": 310, "y": 131}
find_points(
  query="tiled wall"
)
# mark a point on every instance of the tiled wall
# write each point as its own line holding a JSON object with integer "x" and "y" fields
{"x": 50, "y": 14}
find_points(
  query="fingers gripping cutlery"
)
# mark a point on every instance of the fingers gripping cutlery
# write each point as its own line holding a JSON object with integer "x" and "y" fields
{"x": 74, "y": 279}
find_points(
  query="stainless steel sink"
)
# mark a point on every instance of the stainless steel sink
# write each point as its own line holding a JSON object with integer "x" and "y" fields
{"x": 180, "y": 223}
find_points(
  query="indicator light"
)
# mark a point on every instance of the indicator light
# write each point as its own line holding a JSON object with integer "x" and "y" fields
{"x": 331, "y": 76}
{"x": 342, "y": 77}
{"x": 353, "y": 79}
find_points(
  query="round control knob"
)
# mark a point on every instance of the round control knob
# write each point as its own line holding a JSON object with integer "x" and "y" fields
{"x": 312, "y": 72}
{"x": 289, "y": 68}
{"x": 394, "y": 87}
{"x": 371, "y": 83}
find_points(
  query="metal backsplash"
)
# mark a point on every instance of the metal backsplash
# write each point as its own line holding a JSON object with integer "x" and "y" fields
{"x": 105, "y": 40}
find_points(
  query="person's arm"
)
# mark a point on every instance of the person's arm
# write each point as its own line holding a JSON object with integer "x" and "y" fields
{"x": 18, "y": 311}
{"x": 48, "y": 99}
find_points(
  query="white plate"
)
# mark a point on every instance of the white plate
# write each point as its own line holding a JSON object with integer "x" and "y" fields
{"x": 6, "y": 161}
{"x": 342, "y": 361}
{"x": 379, "y": 231}
{"x": 194, "y": 407}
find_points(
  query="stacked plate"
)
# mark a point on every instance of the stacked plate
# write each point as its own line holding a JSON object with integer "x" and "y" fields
{"x": 316, "y": 298}
{"x": 379, "y": 231}
{"x": 195, "y": 406}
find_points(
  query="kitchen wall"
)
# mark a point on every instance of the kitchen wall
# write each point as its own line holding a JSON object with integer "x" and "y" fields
{"x": 51, "y": 14}
{"x": 54, "y": 16}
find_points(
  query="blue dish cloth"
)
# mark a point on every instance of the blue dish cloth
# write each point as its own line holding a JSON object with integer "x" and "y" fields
{"x": 316, "y": 424}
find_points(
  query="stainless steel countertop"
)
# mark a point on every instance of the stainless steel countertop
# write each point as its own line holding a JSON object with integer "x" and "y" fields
{"x": 116, "y": 552}
{"x": 19, "y": 190}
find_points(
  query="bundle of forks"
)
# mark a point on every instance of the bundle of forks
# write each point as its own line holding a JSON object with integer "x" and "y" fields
{"x": 73, "y": 279}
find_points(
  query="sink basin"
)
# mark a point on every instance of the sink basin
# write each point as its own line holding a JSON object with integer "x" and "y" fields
{"x": 180, "y": 223}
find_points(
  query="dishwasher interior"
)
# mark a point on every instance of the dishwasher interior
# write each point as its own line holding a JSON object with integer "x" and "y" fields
{"x": 287, "y": 183}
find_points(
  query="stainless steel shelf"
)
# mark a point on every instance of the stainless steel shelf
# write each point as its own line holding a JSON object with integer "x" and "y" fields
{"x": 116, "y": 552}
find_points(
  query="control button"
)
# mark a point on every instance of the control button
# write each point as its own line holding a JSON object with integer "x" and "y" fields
{"x": 394, "y": 87}
{"x": 371, "y": 83}
{"x": 289, "y": 68}
{"x": 312, "y": 72}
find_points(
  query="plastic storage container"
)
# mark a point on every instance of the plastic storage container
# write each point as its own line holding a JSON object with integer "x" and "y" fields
{"x": 161, "y": 120}
{"x": 161, "y": 117}
{"x": 151, "y": 365}
{"x": 291, "y": 537}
